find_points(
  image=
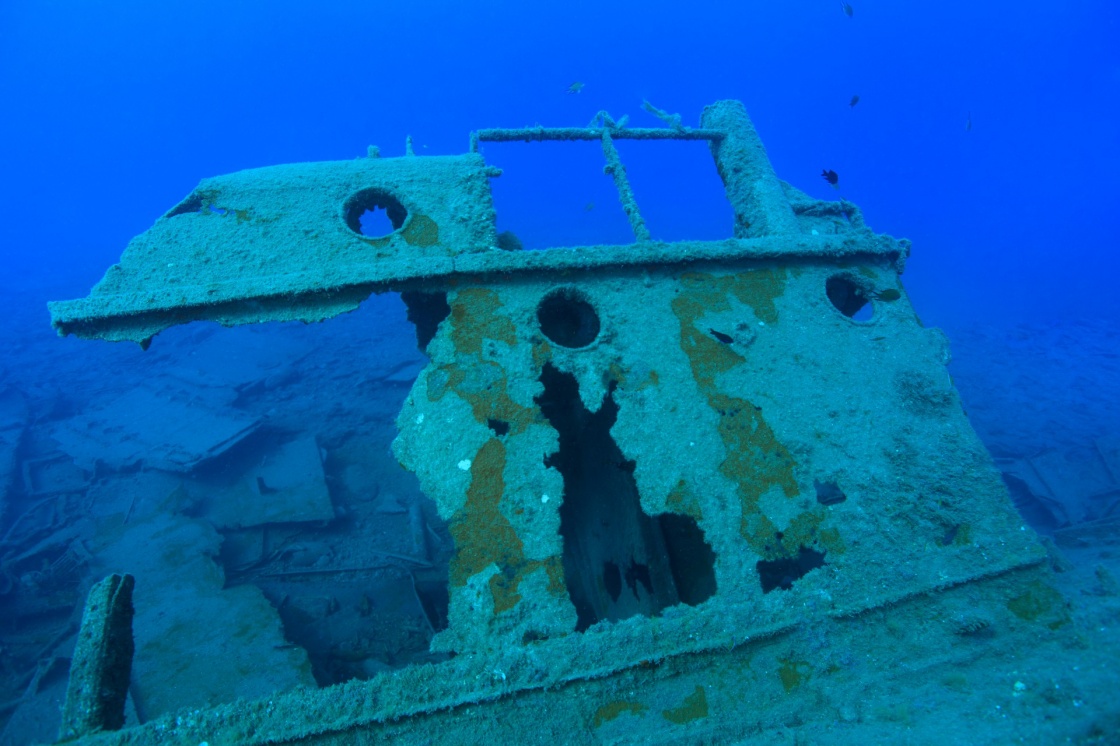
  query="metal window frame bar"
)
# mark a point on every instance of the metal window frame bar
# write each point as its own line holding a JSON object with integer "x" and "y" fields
{"x": 607, "y": 135}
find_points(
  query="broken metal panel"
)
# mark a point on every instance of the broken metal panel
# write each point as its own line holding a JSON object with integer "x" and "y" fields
{"x": 53, "y": 474}
{"x": 198, "y": 643}
{"x": 1071, "y": 487}
{"x": 245, "y": 360}
{"x": 13, "y": 422}
{"x": 285, "y": 242}
{"x": 174, "y": 432}
{"x": 739, "y": 392}
{"x": 285, "y": 486}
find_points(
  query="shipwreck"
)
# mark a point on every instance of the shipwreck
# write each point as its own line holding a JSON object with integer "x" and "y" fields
{"x": 694, "y": 487}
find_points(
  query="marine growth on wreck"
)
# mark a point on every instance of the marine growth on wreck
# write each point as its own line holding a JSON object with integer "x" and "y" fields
{"x": 648, "y": 473}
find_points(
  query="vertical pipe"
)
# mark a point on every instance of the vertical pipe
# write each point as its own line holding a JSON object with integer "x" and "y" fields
{"x": 760, "y": 204}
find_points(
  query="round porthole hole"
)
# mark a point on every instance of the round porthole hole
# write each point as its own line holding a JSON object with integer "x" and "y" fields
{"x": 849, "y": 297}
{"x": 374, "y": 213}
{"x": 568, "y": 318}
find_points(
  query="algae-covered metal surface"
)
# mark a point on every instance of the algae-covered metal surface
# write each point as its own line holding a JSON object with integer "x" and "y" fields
{"x": 285, "y": 242}
{"x": 659, "y": 462}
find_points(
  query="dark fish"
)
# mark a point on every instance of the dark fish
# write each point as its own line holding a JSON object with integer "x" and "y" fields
{"x": 508, "y": 241}
{"x": 725, "y": 338}
{"x": 831, "y": 177}
{"x": 889, "y": 295}
{"x": 854, "y": 101}
{"x": 847, "y": 9}
{"x": 828, "y": 493}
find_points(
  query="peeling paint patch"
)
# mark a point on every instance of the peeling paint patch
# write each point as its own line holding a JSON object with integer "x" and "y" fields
{"x": 694, "y": 707}
{"x": 484, "y": 536}
{"x": 421, "y": 231}
{"x": 793, "y": 673}
{"x": 681, "y": 500}
{"x": 756, "y": 461}
{"x": 475, "y": 317}
{"x": 612, "y": 710}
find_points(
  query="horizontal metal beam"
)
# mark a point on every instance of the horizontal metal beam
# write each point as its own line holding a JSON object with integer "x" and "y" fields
{"x": 529, "y": 134}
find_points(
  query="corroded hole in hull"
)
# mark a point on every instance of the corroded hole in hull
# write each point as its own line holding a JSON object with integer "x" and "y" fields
{"x": 426, "y": 311}
{"x": 780, "y": 573}
{"x": 618, "y": 560}
{"x": 374, "y": 213}
{"x": 849, "y": 297}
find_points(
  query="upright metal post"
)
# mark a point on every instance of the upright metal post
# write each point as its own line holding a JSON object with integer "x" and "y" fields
{"x": 760, "y": 204}
{"x": 617, "y": 171}
{"x": 102, "y": 663}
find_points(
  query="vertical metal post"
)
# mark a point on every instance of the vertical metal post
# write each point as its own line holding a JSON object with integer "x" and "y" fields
{"x": 102, "y": 663}
{"x": 760, "y": 204}
{"x": 617, "y": 171}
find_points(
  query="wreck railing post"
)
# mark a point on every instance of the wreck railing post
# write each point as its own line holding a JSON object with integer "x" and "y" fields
{"x": 752, "y": 187}
{"x": 102, "y": 663}
{"x": 617, "y": 172}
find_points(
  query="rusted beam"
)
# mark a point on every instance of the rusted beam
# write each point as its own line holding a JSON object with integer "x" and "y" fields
{"x": 102, "y": 664}
{"x": 541, "y": 134}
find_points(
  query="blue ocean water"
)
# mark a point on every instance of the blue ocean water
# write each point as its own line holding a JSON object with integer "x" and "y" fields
{"x": 115, "y": 110}
{"x": 986, "y": 133}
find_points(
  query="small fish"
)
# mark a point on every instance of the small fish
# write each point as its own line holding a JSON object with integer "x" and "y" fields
{"x": 968, "y": 123}
{"x": 854, "y": 101}
{"x": 847, "y": 9}
{"x": 508, "y": 241}
{"x": 575, "y": 87}
{"x": 589, "y": 207}
{"x": 721, "y": 337}
{"x": 889, "y": 295}
{"x": 828, "y": 493}
{"x": 831, "y": 177}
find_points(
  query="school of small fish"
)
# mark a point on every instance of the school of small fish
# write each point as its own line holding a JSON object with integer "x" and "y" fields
{"x": 827, "y": 174}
